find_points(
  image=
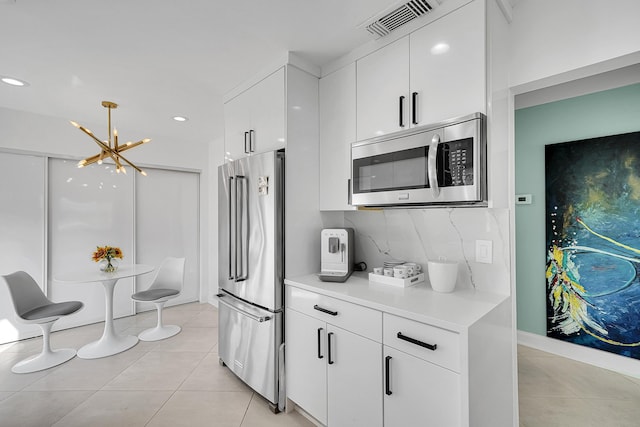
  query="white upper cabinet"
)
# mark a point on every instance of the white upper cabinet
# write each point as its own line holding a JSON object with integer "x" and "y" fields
{"x": 383, "y": 90}
{"x": 448, "y": 73}
{"x": 337, "y": 132}
{"x": 255, "y": 119}
{"x": 435, "y": 73}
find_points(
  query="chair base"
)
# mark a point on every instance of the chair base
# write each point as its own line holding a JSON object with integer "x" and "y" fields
{"x": 43, "y": 361}
{"x": 159, "y": 333}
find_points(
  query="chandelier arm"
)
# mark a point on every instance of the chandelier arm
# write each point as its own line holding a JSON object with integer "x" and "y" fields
{"x": 132, "y": 145}
{"x": 93, "y": 159}
{"x": 104, "y": 147}
{"x": 116, "y": 158}
{"x": 130, "y": 164}
{"x": 108, "y": 150}
{"x": 100, "y": 143}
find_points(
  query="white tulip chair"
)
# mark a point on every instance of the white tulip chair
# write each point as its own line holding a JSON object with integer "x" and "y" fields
{"x": 33, "y": 307}
{"x": 166, "y": 284}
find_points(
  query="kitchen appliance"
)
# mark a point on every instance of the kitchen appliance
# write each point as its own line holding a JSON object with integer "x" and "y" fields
{"x": 439, "y": 164}
{"x": 251, "y": 272}
{"x": 336, "y": 254}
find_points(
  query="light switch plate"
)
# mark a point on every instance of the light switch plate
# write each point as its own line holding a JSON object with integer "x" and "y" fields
{"x": 484, "y": 251}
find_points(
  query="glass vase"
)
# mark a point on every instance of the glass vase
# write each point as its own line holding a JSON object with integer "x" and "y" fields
{"x": 109, "y": 265}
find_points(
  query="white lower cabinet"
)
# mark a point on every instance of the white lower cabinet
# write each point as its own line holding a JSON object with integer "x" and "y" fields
{"x": 305, "y": 363}
{"x": 419, "y": 393}
{"x": 354, "y": 375}
{"x": 420, "y": 387}
{"x": 349, "y": 365}
{"x": 416, "y": 358}
{"x": 333, "y": 374}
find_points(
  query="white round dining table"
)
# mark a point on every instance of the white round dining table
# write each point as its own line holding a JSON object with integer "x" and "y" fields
{"x": 111, "y": 342}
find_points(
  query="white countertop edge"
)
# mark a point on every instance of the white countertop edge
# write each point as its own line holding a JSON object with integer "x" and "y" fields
{"x": 455, "y": 311}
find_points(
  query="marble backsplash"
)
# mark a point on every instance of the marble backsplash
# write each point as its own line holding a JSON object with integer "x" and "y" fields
{"x": 419, "y": 235}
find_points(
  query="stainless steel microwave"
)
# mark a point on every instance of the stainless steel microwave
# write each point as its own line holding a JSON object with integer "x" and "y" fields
{"x": 439, "y": 164}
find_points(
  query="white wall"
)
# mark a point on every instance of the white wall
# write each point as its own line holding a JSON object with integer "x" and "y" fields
{"x": 27, "y": 132}
{"x": 550, "y": 38}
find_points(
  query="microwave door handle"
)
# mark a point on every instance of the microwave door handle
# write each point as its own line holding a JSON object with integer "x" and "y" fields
{"x": 432, "y": 173}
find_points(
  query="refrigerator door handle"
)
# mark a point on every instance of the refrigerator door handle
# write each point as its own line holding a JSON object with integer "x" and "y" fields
{"x": 242, "y": 230}
{"x": 252, "y": 316}
{"x": 232, "y": 266}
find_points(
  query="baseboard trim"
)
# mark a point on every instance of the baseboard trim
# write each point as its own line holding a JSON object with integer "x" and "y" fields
{"x": 602, "y": 359}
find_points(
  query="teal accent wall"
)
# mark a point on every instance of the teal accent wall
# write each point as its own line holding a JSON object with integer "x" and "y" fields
{"x": 588, "y": 116}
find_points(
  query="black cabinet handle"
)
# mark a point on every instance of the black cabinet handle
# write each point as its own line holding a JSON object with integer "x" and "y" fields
{"x": 246, "y": 138}
{"x": 329, "y": 347}
{"x": 324, "y": 310}
{"x": 401, "y": 110}
{"x": 417, "y": 342}
{"x": 320, "y": 356}
{"x": 414, "y": 108}
{"x": 252, "y": 139}
{"x": 387, "y": 383}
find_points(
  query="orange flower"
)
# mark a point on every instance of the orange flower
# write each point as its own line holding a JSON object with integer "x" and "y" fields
{"x": 106, "y": 252}
{"x": 117, "y": 253}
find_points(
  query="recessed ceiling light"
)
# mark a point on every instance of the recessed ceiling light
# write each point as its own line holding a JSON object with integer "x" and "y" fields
{"x": 439, "y": 49}
{"x": 180, "y": 118}
{"x": 13, "y": 82}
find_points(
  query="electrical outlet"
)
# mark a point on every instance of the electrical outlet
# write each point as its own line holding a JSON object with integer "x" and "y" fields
{"x": 484, "y": 251}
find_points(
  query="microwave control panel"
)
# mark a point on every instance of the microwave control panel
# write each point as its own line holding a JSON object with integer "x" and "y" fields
{"x": 458, "y": 163}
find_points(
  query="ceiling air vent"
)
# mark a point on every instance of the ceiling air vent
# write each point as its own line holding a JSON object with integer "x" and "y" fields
{"x": 398, "y": 17}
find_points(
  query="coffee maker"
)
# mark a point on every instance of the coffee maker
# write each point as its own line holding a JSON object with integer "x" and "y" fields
{"x": 337, "y": 250}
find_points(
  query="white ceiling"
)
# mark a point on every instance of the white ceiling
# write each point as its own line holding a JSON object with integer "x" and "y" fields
{"x": 160, "y": 58}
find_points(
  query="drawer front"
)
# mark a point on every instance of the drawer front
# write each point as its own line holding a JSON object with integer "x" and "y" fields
{"x": 352, "y": 317}
{"x": 427, "y": 342}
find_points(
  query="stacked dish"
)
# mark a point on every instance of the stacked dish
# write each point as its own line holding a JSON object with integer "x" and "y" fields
{"x": 391, "y": 264}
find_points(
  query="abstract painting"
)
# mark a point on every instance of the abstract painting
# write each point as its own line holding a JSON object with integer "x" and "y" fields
{"x": 593, "y": 242}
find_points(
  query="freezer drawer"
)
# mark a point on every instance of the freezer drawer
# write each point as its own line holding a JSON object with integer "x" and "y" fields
{"x": 249, "y": 344}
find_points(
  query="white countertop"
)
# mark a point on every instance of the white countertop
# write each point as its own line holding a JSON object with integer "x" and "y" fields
{"x": 454, "y": 311}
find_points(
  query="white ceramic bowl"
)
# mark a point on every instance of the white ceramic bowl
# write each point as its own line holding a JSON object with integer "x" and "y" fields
{"x": 443, "y": 275}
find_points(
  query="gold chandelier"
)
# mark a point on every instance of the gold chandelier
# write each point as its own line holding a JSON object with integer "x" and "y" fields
{"x": 110, "y": 148}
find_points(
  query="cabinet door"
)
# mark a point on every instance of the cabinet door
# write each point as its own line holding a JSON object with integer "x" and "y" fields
{"x": 448, "y": 70}
{"x": 419, "y": 393}
{"x": 382, "y": 78}
{"x": 254, "y": 120}
{"x": 337, "y": 132}
{"x": 306, "y": 356}
{"x": 236, "y": 123}
{"x": 354, "y": 372}
{"x": 267, "y": 113}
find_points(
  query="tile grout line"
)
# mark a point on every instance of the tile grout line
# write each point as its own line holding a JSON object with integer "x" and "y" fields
{"x": 177, "y": 387}
{"x": 244, "y": 416}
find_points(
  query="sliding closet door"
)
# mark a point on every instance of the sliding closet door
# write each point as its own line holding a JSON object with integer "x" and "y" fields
{"x": 167, "y": 218}
{"x": 89, "y": 207}
{"x": 22, "y": 232}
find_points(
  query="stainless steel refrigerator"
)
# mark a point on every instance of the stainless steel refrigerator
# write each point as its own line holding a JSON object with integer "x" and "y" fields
{"x": 251, "y": 272}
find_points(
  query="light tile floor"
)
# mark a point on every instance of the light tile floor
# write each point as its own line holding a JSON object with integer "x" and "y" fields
{"x": 559, "y": 392}
{"x": 173, "y": 382}
{"x": 179, "y": 382}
